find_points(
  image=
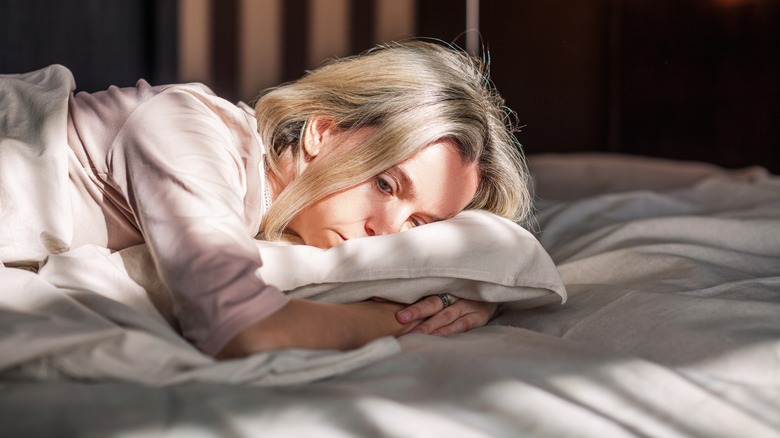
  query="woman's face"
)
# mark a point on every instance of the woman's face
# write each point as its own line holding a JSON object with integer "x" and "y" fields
{"x": 432, "y": 185}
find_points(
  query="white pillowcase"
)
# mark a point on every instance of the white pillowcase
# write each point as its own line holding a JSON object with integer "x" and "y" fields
{"x": 475, "y": 255}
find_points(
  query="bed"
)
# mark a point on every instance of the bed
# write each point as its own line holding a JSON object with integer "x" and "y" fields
{"x": 671, "y": 327}
{"x": 643, "y": 299}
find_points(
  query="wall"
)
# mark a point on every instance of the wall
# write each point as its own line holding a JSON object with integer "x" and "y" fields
{"x": 683, "y": 79}
{"x": 104, "y": 42}
{"x": 248, "y": 45}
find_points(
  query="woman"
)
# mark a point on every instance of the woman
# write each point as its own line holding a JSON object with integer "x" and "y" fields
{"x": 398, "y": 137}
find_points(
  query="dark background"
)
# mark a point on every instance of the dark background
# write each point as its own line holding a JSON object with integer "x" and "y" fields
{"x": 681, "y": 79}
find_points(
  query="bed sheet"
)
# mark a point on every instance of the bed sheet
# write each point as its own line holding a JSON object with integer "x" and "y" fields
{"x": 672, "y": 328}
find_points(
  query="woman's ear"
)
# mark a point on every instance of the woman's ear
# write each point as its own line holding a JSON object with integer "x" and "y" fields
{"x": 316, "y": 134}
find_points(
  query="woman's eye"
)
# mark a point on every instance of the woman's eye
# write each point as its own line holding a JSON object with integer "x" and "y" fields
{"x": 417, "y": 222}
{"x": 384, "y": 185}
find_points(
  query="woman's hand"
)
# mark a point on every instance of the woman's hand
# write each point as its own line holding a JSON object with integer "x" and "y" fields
{"x": 460, "y": 316}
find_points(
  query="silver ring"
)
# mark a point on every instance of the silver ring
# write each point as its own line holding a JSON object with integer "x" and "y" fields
{"x": 446, "y": 300}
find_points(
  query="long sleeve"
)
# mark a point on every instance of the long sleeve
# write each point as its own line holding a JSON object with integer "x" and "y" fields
{"x": 183, "y": 171}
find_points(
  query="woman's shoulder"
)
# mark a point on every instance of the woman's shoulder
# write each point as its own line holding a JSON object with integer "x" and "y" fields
{"x": 119, "y": 102}
{"x": 111, "y": 109}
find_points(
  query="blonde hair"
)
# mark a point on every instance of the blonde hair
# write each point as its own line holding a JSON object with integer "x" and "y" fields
{"x": 411, "y": 94}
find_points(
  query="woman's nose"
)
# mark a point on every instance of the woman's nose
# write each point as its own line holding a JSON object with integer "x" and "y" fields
{"x": 387, "y": 223}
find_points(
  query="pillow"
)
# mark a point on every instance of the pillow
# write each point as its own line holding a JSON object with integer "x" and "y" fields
{"x": 475, "y": 255}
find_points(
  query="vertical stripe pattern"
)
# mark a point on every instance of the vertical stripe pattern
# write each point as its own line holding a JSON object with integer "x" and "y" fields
{"x": 240, "y": 47}
{"x": 224, "y": 44}
{"x": 260, "y": 54}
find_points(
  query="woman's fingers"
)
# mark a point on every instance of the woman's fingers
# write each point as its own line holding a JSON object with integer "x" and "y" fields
{"x": 441, "y": 319}
{"x": 462, "y": 324}
{"x": 425, "y": 308}
{"x": 461, "y": 316}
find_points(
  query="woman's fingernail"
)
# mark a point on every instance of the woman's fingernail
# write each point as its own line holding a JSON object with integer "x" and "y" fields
{"x": 404, "y": 317}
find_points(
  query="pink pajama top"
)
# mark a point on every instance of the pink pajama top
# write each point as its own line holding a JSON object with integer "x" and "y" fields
{"x": 182, "y": 170}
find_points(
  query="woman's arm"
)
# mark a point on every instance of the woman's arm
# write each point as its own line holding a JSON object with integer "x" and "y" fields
{"x": 310, "y": 324}
{"x": 182, "y": 160}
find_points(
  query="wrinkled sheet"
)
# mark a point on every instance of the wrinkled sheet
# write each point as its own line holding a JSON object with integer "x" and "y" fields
{"x": 672, "y": 328}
